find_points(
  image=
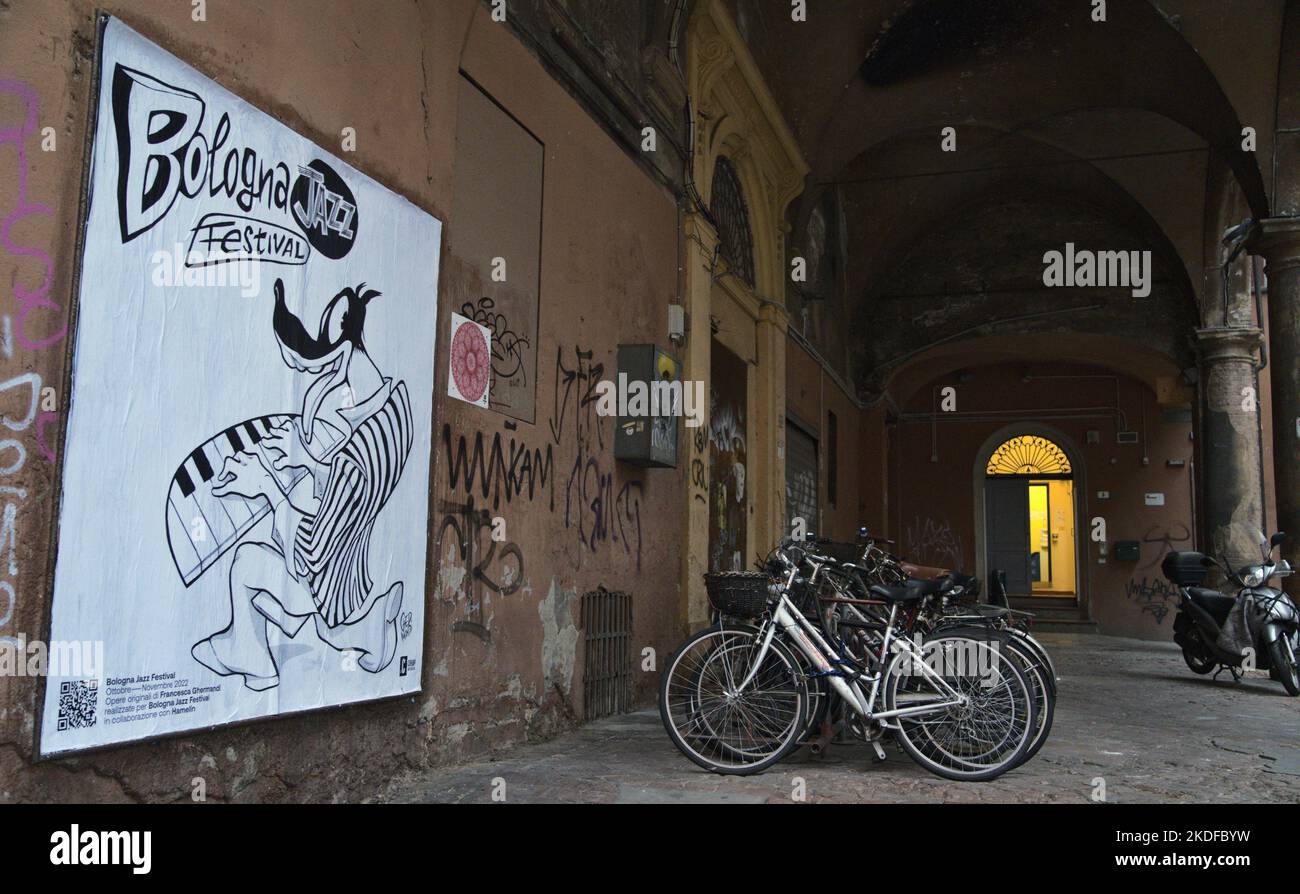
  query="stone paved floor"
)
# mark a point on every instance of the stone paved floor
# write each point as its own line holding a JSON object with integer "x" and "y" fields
{"x": 1128, "y": 711}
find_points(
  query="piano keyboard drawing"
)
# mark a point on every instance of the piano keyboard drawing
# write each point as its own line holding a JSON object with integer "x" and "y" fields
{"x": 202, "y": 527}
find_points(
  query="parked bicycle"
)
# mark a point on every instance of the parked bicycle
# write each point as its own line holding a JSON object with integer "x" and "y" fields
{"x": 949, "y": 606}
{"x": 735, "y": 698}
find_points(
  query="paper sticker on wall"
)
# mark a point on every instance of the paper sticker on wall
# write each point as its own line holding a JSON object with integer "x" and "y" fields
{"x": 470, "y": 376}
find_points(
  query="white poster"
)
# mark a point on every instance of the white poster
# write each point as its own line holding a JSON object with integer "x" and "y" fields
{"x": 245, "y": 482}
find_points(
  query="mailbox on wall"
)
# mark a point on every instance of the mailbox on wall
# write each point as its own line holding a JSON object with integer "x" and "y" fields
{"x": 649, "y": 407}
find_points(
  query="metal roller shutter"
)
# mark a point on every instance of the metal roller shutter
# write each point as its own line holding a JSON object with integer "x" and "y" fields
{"x": 801, "y": 477}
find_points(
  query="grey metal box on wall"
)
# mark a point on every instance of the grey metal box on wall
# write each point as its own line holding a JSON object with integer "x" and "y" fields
{"x": 649, "y": 406}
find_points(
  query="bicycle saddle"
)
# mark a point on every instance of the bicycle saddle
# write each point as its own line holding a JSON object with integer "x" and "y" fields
{"x": 911, "y": 591}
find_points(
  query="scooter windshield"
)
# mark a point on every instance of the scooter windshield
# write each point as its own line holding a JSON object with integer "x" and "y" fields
{"x": 1239, "y": 546}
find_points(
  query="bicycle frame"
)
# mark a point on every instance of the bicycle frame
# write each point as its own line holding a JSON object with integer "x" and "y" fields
{"x": 877, "y": 558}
{"x": 809, "y": 641}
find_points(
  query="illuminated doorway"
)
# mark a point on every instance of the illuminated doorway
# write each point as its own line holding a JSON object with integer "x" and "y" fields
{"x": 1051, "y": 537}
{"x": 1029, "y": 502}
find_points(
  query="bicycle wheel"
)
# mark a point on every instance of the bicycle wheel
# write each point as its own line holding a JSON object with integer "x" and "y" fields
{"x": 722, "y": 729}
{"x": 1044, "y": 697}
{"x": 1036, "y": 671}
{"x": 819, "y": 692}
{"x": 1034, "y": 664}
{"x": 984, "y": 735}
{"x": 1041, "y": 658}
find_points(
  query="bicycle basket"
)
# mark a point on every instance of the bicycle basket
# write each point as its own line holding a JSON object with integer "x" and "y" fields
{"x": 741, "y": 594}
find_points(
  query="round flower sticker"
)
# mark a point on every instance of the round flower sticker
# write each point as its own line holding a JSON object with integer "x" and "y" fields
{"x": 471, "y": 364}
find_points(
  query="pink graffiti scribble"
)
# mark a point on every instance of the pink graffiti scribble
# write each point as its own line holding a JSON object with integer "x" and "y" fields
{"x": 42, "y": 420}
{"x": 28, "y": 299}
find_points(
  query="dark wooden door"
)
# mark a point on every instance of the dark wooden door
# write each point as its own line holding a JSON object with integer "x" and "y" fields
{"x": 1006, "y": 514}
{"x": 801, "y": 479}
{"x": 728, "y": 490}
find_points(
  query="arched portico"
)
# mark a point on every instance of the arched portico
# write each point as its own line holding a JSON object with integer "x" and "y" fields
{"x": 735, "y": 492}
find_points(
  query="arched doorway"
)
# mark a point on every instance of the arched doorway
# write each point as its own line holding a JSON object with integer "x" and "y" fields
{"x": 1028, "y": 497}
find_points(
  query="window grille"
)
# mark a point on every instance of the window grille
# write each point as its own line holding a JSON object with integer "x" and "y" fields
{"x": 1028, "y": 455}
{"x": 732, "y": 216}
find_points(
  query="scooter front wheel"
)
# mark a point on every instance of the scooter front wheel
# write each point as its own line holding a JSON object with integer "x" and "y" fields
{"x": 1282, "y": 656}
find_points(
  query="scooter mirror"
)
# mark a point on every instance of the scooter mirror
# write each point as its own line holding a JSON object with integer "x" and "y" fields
{"x": 1277, "y": 539}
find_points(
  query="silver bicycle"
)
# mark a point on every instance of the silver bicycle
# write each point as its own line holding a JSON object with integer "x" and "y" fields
{"x": 735, "y": 697}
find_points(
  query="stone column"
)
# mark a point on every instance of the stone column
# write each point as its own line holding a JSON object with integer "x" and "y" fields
{"x": 1230, "y": 455}
{"x": 767, "y": 449}
{"x": 700, "y": 239}
{"x": 1279, "y": 243}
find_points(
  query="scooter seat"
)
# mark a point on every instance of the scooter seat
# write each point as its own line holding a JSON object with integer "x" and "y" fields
{"x": 1215, "y": 604}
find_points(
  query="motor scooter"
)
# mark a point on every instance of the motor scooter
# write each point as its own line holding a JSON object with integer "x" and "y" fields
{"x": 1273, "y": 622}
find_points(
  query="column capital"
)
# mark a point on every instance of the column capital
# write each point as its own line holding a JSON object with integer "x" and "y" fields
{"x": 775, "y": 314}
{"x": 1229, "y": 345}
{"x": 1278, "y": 240}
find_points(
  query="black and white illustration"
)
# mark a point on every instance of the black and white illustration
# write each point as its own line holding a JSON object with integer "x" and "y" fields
{"x": 245, "y": 502}
{"x": 323, "y": 475}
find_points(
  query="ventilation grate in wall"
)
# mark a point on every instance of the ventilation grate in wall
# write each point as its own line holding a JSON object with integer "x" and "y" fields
{"x": 607, "y": 653}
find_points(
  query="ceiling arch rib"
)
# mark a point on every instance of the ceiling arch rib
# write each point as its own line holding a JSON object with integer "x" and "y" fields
{"x": 1130, "y": 356}
{"x": 900, "y": 189}
{"x": 978, "y": 271}
{"x": 1053, "y": 61}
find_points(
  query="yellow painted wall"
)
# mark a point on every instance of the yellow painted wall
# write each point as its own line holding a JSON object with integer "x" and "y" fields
{"x": 1039, "y": 536}
{"x": 1051, "y": 533}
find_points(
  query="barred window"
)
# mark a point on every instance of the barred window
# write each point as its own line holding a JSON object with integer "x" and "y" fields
{"x": 732, "y": 216}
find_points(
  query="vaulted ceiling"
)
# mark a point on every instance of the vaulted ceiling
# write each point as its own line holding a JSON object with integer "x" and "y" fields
{"x": 1067, "y": 129}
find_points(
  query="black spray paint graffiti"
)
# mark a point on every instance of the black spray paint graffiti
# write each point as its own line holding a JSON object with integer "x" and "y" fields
{"x": 1166, "y": 540}
{"x": 512, "y": 472}
{"x": 590, "y": 501}
{"x": 576, "y": 388}
{"x": 508, "y": 347}
{"x": 1152, "y": 596}
{"x": 472, "y": 563}
{"x": 699, "y": 466}
{"x": 934, "y": 543}
{"x": 599, "y": 514}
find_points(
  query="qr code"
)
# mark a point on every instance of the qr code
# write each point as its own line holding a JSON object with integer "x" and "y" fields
{"x": 77, "y": 702}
